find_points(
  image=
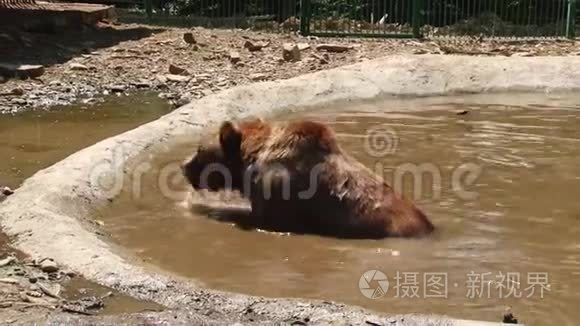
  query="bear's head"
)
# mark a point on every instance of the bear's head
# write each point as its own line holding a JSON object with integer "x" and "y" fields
{"x": 217, "y": 167}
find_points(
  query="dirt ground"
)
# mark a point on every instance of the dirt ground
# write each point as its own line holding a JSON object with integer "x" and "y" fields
{"x": 80, "y": 66}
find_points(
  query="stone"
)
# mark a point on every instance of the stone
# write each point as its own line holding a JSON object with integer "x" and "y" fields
{"x": 253, "y": 47}
{"x": 6, "y": 191}
{"x": 189, "y": 38}
{"x": 117, "y": 88}
{"x": 17, "y": 91}
{"x": 78, "y": 67}
{"x": 336, "y": 48}
{"x": 234, "y": 57}
{"x": 303, "y": 46}
{"x": 142, "y": 84}
{"x": 258, "y": 77}
{"x": 176, "y": 70}
{"x": 322, "y": 59}
{"x": 48, "y": 266}
{"x": 291, "y": 24}
{"x": 7, "y": 261}
{"x": 30, "y": 71}
{"x": 177, "y": 78}
{"x": 291, "y": 52}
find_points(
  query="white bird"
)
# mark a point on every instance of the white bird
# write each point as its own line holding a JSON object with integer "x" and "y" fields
{"x": 384, "y": 19}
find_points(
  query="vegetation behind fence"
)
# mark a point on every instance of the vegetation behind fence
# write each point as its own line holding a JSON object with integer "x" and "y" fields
{"x": 386, "y": 18}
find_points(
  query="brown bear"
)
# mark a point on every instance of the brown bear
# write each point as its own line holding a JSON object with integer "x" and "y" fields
{"x": 299, "y": 180}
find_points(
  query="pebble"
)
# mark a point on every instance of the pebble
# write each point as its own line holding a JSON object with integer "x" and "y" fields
{"x": 258, "y": 77}
{"x": 48, "y": 266}
{"x": 189, "y": 38}
{"x": 291, "y": 52}
{"x": 234, "y": 57}
{"x": 176, "y": 70}
{"x": 6, "y": 191}
{"x": 78, "y": 67}
{"x": 117, "y": 88}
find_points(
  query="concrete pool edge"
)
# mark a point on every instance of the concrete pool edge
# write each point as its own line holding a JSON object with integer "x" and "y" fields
{"x": 47, "y": 215}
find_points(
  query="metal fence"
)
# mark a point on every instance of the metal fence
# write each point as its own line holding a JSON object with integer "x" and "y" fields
{"x": 372, "y": 18}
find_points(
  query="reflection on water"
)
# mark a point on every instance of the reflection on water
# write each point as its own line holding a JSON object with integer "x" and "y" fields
{"x": 35, "y": 140}
{"x": 523, "y": 224}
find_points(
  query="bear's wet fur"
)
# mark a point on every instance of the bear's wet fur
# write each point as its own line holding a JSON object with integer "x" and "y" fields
{"x": 299, "y": 180}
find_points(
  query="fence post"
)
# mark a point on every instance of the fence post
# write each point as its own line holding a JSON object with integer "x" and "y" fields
{"x": 571, "y": 20}
{"x": 148, "y": 8}
{"x": 305, "y": 14}
{"x": 417, "y": 18}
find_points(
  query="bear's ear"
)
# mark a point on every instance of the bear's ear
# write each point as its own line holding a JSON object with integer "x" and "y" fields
{"x": 230, "y": 139}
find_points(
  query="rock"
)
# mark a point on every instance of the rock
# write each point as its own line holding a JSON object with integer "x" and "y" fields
{"x": 175, "y": 70}
{"x": 253, "y": 47}
{"x": 7, "y": 261}
{"x": 177, "y": 78}
{"x": 336, "y": 48}
{"x": 420, "y": 51}
{"x": 142, "y": 84}
{"x": 9, "y": 280}
{"x": 48, "y": 266}
{"x": 189, "y": 38}
{"x": 323, "y": 59}
{"x": 117, "y": 88}
{"x": 291, "y": 52}
{"x": 523, "y": 54}
{"x": 30, "y": 71}
{"x": 6, "y": 191}
{"x": 78, "y": 67}
{"x": 19, "y": 101}
{"x": 234, "y": 57}
{"x": 258, "y": 77}
{"x": 161, "y": 79}
{"x": 303, "y": 46}
{"x": 17, "y": 91}
{"x": 291, "y": 24}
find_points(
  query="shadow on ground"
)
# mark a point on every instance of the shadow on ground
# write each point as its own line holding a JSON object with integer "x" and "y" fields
{"x": 48, "y": 46}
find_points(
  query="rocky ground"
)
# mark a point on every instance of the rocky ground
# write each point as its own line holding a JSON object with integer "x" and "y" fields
{"x": 185, "y": 64}
{"x": 32, "y": 290}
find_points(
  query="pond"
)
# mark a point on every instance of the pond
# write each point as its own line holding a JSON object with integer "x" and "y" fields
{"x": 34, "y": 140}
{"x": 498, "y": 174}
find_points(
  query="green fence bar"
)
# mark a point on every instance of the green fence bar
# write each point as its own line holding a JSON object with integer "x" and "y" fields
{"x": 571, "y": 20}
{"x": 417, "y": 18}
{"x": 148, "y": 8}
{"x": 305, "y": 12}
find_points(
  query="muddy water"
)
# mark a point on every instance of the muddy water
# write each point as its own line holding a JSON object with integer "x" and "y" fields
{"x": 34, "y": 140}
{"x": 31, "y": 141}
{"x": 506, "y": 224}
